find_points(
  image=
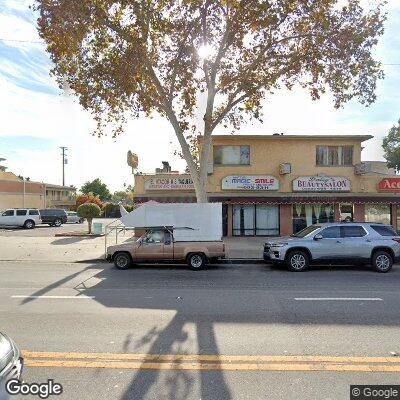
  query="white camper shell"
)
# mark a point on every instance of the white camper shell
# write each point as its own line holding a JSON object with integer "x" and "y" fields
{"x": 191, "y": 222}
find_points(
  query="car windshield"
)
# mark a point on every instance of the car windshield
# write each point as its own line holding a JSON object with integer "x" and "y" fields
{"x": 306, "y": 231}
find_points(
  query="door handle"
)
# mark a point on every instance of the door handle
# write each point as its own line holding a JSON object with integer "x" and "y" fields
{"x": 369, "y": 240}
{"x": 338, "y": 241}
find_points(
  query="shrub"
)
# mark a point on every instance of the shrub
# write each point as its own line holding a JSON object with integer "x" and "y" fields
{"x": 89, "y": 211}
{"x": 111, "y": 210}
{"x": 88, "y": 198}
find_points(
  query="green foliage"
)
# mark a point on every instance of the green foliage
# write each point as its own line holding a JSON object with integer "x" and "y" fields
{"x": 89, "y": 210}
{"x": 138, "y": 57}
{"x": 391, "y": 146}
{"x": 97, "y": 188}
{"x": 112, "y": 210}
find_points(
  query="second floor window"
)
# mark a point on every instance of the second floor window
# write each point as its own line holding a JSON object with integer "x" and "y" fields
{"x": 334, "y": 155}
{"x": 232, "y": 155}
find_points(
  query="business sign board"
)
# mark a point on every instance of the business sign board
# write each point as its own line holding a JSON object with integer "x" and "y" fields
{"x": 169, "y": 184}
{"x": 250, "y": 182}
{"x": 389, "y": 185}
{"x": 321, "y": 184}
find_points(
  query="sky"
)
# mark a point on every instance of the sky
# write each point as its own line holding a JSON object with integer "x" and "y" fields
{"x": 37, "y": 117}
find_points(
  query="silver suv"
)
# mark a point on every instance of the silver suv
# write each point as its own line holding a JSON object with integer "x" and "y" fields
{"x": 337, "y": 243}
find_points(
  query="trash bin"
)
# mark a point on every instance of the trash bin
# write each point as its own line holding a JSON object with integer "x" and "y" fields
{"x": 97, "y": 228}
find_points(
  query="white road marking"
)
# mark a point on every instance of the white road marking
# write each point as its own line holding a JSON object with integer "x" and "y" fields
{"x": 338, "y": 299}
{"x": 51, "y": 297}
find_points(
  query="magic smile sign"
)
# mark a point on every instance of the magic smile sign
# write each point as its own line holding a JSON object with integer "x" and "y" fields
{"x": 250, "y": 182}
{"x": 321, "y": 184}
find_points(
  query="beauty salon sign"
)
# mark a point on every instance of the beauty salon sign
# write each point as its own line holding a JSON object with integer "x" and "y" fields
{"x": 321, "y": 184}
{"x": 250, "y": 182}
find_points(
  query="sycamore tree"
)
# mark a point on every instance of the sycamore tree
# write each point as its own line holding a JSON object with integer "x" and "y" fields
{"x": 125, "y": 58}
{"x": 391, "y": 147}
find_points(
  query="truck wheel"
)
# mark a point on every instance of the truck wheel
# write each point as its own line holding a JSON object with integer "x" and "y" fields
{"x": 297, "y": 261}
{"x": 29, "y": 224}
{"x": 57, "y": 222}
{"x": 196, "y": 261}
{"x": 382, "y": 261}
{"x": 122, "y": 260}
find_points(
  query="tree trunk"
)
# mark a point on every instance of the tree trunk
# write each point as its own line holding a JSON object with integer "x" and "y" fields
{"x": 198, "y": 175}
{"x": 89, "y": 220}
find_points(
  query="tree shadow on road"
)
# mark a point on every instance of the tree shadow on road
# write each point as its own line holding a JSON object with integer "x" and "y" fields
{"x": 224, "y": 295}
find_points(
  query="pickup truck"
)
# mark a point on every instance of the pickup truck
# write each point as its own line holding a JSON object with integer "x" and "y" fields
{"x": 158, "y": 245}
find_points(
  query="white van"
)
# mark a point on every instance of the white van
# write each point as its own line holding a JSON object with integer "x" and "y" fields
{"x": 25, "y": 217}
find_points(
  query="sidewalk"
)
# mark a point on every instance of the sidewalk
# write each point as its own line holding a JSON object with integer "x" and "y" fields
{"x": 78, "y": 249}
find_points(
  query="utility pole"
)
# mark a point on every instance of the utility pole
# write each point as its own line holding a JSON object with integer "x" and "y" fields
{"x": 64, "y": 161}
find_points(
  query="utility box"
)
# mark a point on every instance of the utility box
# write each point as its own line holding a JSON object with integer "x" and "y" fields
{"x": 285, "y": 168}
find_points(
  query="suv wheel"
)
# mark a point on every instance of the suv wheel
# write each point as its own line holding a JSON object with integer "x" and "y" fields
{"x": 57, "y": 222}
{"x": 122, "y": 261}
{"x": 29, "y": 224}
{"x": 382, "y": 261}
{"x": 196, "y": 261}
{"x": 297, "y": 261}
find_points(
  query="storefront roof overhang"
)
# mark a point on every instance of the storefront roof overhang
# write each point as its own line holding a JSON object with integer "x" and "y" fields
{"x": 284, "y": 198}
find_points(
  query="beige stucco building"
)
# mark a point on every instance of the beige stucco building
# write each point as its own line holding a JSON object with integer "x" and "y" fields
{"x": 278, "y": 184}
{"x": 18, "y": 193}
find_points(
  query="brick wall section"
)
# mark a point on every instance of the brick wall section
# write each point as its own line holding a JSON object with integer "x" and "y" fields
{"x": 230, "y": 220}
{"x": 359, "y": 213}
{"x": 18, "y": 187}
{"x": 286, "y": 222}
{"x": 393, "y": 212}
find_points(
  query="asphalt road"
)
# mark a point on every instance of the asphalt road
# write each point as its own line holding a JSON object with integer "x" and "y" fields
{"x": 100, "y": 332}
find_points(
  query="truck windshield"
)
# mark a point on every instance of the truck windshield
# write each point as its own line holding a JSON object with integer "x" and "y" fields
{"x": 306, "y": 231}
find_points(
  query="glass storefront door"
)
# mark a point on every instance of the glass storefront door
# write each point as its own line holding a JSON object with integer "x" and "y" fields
{"x": 308, "y": 214}
{"x": 346, "y": 212}
{"x": 252, "y": 220}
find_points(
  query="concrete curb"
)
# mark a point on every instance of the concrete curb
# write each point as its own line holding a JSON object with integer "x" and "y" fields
{"x": 230, "y": 261}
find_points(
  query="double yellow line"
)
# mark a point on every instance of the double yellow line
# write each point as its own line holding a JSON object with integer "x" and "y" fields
{"x": 210, "y": 362}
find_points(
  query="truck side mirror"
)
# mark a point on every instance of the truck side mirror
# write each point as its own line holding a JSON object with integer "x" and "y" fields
{"x": 318, "y": 237}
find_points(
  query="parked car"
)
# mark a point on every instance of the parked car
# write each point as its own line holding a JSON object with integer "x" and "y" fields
{"x": 25, "y": 217}
{"x": 337, "y": 243}
{"x": 158, "y": 245}
{"x": 72, "y": 217}
{"x": 53, "y": 216}
{"x": 11, "y": 361}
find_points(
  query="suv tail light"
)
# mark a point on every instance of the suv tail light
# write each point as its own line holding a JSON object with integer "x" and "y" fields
{"x": 396, "y": 239}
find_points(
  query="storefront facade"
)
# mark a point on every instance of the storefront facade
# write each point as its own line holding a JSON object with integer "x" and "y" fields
{"x": 279, "y": 184}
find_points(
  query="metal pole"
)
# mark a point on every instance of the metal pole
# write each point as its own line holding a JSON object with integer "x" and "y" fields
{"x": 23, "y": 196}
{"x": 63, "y": 164}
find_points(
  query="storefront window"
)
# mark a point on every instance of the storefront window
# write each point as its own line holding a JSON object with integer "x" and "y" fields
{"x": 259, "y": 220}
{"x": 307, "y": 214}
{"x": 377, "y": 213}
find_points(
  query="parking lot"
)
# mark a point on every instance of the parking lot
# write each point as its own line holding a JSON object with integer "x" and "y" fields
{"x": 49, "y": 231}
